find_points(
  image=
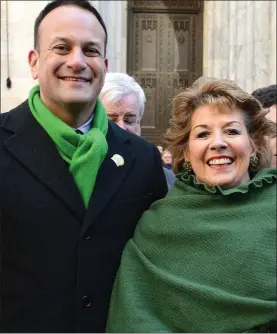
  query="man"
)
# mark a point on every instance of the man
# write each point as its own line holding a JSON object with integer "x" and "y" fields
{"x": 167, "y": 159}
{"x": 124, "y": 101}
{"x": 69, "y": 202}
{"x": 268, "y": 98}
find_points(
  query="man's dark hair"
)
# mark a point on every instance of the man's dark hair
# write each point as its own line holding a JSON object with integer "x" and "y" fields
{"x": 58, "y": 3}
{"x": 266, "y": 95}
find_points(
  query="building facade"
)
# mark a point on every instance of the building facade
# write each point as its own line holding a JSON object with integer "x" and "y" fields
{"x": 165, "y": 44}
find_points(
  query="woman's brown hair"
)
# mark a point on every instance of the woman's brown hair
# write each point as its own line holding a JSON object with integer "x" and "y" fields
{"x": 218, "y": 93}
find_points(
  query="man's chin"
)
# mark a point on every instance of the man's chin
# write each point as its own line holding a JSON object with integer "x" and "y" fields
{"x": 78, "y": 100}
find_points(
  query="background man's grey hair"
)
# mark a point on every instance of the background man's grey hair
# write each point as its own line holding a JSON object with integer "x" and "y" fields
{"x": 118, "y": 85}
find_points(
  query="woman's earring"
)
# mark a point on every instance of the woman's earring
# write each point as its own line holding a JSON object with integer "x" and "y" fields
{"x": 187, "y": 166}
{"x": 254, "y": 161}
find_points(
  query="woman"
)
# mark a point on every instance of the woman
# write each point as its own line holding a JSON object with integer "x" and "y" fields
{"x": 204, "y": 258}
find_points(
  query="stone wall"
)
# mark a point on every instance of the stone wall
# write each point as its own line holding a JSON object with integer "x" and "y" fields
{"x": 239, "y": 42}
{"x": 21, "y": 18}
{"x": 114, "y": 14}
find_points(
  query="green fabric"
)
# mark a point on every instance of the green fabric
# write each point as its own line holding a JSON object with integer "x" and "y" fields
{"x": 201, "y": 260}
{"x": 84, "y": 153}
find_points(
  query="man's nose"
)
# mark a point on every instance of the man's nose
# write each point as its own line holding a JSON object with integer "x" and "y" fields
{"x": 121, "y": 123}
{"x": 76, "y": 60}
{"x": 218, "y": 142}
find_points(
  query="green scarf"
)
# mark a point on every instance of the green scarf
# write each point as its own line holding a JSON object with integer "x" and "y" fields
{"x": 84, "y": 153}
{"x": 201, "y": 260}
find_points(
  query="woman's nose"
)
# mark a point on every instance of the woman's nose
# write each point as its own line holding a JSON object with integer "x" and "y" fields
{"x": 218, "y": 143}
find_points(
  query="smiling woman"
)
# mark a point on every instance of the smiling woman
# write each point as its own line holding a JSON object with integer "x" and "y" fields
{"x": 203, "y": 259}
{"x": 219, "y": 147}
{"x": 227, "y": 113}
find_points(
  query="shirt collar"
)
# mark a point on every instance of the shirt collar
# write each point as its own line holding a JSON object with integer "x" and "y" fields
{"x": 86, "y": 127}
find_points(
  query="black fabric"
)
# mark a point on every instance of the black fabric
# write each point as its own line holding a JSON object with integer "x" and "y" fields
{"x": 168, "y": 166}
{"x": 270, "y": 327}
{"x": 57, "y": 260}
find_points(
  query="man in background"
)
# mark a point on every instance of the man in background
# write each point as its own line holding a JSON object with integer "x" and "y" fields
{"x": 167, "y": 159}
{"x": 268, "y": 98}
{"x": 124, "y": 101}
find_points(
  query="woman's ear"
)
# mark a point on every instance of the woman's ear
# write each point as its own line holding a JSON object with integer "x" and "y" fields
{"x": 253, "y": 146}
{"x": 186, "y": 155}
{"x": 33, "y": 60}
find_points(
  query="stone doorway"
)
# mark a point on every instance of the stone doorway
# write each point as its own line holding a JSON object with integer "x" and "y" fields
{"x": 164, "y": 54}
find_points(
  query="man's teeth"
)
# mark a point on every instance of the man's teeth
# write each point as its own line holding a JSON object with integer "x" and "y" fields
{"x": 74, "y": 79}
{"x": 220, "y": 161}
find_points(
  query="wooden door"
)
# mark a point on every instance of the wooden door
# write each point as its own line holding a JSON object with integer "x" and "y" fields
{"x": 164, "y": 55}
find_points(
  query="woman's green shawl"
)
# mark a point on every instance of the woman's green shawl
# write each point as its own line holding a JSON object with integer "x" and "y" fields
{"x": 201, "y": 260}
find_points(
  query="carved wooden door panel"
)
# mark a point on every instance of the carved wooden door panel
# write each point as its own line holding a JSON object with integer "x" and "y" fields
{"x": 164, "y": 55}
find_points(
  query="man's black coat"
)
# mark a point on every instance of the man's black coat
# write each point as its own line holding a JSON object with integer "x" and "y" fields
{"x": 58, "y": 260}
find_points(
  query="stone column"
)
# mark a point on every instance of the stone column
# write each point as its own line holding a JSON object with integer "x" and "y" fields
{"x": 114, "y": 14}
{"x": 240, "y": 42}
{"x": 21, "y": 17}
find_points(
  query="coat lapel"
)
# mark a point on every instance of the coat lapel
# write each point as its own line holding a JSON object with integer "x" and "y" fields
{"x": 110, "y": 176}
{"x": 33, "y": 148}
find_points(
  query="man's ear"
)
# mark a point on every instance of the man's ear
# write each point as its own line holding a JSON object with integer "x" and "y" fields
{"x": 106, "y": 64}
{"x": 33, "y": 60}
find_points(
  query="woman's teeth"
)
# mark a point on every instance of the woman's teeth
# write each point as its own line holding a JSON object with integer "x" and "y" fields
{"x": 224, "y": 161}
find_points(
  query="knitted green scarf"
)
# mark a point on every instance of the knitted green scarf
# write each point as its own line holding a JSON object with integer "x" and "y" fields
{"x": 84, "y": 153}
{"x": 201, "y": 260}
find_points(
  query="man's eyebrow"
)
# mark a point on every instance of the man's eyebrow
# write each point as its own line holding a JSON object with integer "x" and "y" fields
{"x": 93, "y": 43}
{"x": 112, "y": 113}
{"x": 206, "y": 126}
{"x": 60, "y": 39}
{"x": 130, "y": 113}
{"x": 69, "y": 41}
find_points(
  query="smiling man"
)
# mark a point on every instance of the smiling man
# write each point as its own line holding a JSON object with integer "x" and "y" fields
{"x": 66, "y": 176}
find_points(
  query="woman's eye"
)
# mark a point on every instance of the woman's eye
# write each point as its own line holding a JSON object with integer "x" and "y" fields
{"x": 203, "y": 134}
{"x": 233, "y": 132}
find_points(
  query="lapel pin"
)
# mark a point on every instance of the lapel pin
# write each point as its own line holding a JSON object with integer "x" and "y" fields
{"x": 118, "y": 160}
